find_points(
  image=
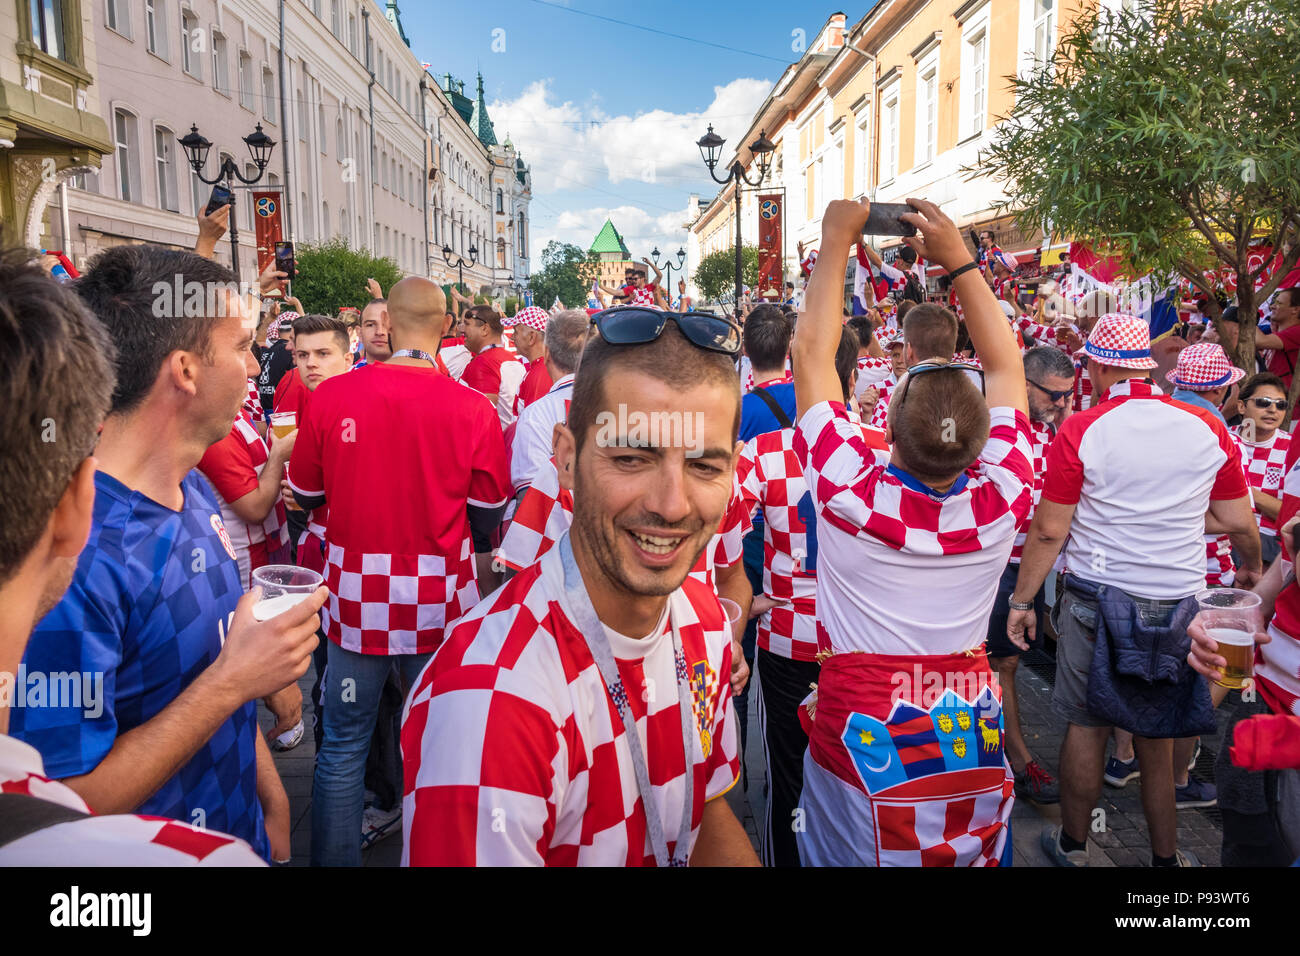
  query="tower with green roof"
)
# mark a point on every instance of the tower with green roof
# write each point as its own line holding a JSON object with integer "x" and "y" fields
{"x": 612, "y": 253}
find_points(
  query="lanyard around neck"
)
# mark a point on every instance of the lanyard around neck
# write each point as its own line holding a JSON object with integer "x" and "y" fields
{"x": 598, "y": 643}
{"x": 416, "y": 354}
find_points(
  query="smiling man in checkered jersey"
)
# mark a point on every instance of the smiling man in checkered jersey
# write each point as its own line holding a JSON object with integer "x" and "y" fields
{"x": 909, "y": 553}
{"x": 59, "y": 368}
{"x": 516, "y": 747}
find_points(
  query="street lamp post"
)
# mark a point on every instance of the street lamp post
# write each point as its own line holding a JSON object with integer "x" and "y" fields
{"x": 710, "y": 145}
{"x": 196, "y": 151}
{"x": 460, "y": 262}
{"x": 669, "y": 267}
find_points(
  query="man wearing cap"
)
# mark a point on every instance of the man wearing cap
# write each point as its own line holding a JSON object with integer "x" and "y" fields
{"x": 1133, "y": 482}
{"x": 530, "y": 332}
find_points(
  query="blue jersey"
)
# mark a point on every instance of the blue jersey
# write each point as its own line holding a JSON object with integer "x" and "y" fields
{"x": 146, "y": 612}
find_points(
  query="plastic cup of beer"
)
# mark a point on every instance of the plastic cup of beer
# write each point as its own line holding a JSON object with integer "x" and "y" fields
{"x": 283, "y": 586}
{"x": 284, "y": 424}
{"x": 732, "y": 609}
{"x": 1231, "y": 618}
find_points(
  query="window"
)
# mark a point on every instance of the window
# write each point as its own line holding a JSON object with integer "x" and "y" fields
{"x": 345, "y": 226}
{"x": 323, "y": 140}
{"x": 383, "y": 168}
{"x": 835, "y": 171}
{"x": 975, "y": 78}
{"x": 523, "y": 245}
{"x": 302, "y": 117}
{"x": 819, "y": 189}
{"x": 245, "y": 80}
{"x": 500, "y": 201}
{"x": 862, "y": 152}
{"x": 304, "y": 217}
{"x": 338, "y": 137}
{"x": 155, "y": 27}
{"x": 163, "y": 141}
{"x": 334, "y": 19}
{"x": 352, "y": 34}
{"x": 501, "y": 253}
{"x": 198, "y": 192}
{"x": 247, "y": 215}
{"x": 191, "y": 45}
{"x": 927, "y": 109}
{"x": 1044, "y": 31}
{"x": 47, "y": 26}
{"x": 118, "y": 16}
{"x": 889, "y": 137}
{"x": 127, "y": 156}
{"x": 220, "y": 77}
{"x": 268, "y": 94}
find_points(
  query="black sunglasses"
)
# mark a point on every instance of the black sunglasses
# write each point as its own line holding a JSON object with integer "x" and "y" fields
{"x": 1054, "y": 396}
{"x": 1266, "y": 403}
{"x": 972, "y": 372}
{"x": 637, "y": 325}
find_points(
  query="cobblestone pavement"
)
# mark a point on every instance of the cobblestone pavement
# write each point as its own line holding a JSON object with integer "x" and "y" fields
{"x": 1123, "y": 842}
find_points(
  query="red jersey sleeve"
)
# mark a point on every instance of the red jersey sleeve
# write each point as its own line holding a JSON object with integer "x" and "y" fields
{"x": 489, "y": 484}
{"x": 306, "y": 472}
{"x": 1230, "y": 482}
{"x": 228, "y": 466}
{"x": 1063, "y": 482}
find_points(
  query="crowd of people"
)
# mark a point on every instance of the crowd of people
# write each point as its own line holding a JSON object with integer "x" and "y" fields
{"x": 558, "y": 551}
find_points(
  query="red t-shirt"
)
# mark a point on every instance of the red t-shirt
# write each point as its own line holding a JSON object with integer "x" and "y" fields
{"x": 535, "y": 384}
{"x": 483, "y": 372}
{"x": 423, "y": 443}
{"x": 1282, "y": 362}
{"x": 290, "y": 394}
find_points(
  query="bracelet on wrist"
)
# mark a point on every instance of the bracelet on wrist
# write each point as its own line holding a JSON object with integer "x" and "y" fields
{"x": 961, "y": 269}
{"x": 1019, "y": 605}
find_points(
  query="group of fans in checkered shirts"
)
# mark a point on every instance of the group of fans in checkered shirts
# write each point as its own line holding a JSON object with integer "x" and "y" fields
{"x": 562, "y": 551}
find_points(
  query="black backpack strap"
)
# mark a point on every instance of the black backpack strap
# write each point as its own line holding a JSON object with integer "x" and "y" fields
{"x": 781, "y": 417}
{"x": 22, "y": 815}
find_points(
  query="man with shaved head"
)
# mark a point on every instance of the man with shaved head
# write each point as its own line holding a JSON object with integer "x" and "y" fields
{"x": 398, "y": 575}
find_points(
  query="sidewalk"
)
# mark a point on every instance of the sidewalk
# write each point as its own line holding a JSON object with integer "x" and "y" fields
{"x": 1123, "y": 842}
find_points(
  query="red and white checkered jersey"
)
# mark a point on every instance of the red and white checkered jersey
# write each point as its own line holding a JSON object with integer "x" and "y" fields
{"x": 771, "y": 478}
{"x": 515, "y": 750}
{"x": 1220, "y": 571}
{"x": 1045, "y": 334}
{"x": 880, "y": 414}
{"x": 1082, "y": 386}
{"x": 1277, "y": 663}
{"x": 497, "y": 373}
{"x": 1040, "y": 438}
{"x": 110, "y": 840}
{"x": 902, "y": 569}
{"x": 1141, "y": 470}
{"x": 546, "y": 512}
{"x": 642, "y": 294}
{"x": 1265, "y": 465}
{"x": 253, "y": 403}
{"x": 532, "y": 447}
{"x": 234, "y": 466}
{"x": 398, "y": 452}
{"x": 871, "y": 371}
{"x": 807, "y": 263}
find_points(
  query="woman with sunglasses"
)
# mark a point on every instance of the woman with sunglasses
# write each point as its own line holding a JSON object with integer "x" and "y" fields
{"x": 1264, "y": 448}
{"x": 910, "y": 551}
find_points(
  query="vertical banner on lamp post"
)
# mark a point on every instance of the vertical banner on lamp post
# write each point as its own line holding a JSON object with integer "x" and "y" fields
{"x": 266, "y": 221}
{"x": 770, "y": 267}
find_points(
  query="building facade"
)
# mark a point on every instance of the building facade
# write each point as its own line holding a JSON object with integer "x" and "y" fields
{"x": 371, "y": 146}
{"x": 51, "y": 127}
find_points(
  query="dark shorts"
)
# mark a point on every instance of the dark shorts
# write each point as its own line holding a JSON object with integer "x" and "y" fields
{"x": 998, "y": 644}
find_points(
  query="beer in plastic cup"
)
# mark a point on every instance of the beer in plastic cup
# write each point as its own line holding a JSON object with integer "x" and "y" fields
{"x": 283, "y": 424}
{"x": 1231, "y": 618}
{"x": 283, "y": 586}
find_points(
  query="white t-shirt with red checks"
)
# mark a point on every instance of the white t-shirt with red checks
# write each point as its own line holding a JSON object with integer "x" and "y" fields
{"x": 234, "y": 467}
{"x": 546, "y": 512}
{"x": 902, "y": 569}
{"x": 430, "y": 448}
{"x": 1040, "y": 439}
{"x": 110, "y": 840}
{"x": 880, "y": 414}
{"x": 516, "y": 753}
{"x": 1265, "y": 466}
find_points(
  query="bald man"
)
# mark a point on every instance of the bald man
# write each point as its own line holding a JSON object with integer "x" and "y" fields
{"x": 397, "y": 575}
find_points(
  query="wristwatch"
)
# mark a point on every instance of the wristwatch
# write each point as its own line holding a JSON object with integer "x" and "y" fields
{"x": 1019, "y": 605}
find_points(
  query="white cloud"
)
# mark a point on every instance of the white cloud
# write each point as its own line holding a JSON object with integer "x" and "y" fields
{"x": 570, "y": 147}
{"x": 641, "y": 231}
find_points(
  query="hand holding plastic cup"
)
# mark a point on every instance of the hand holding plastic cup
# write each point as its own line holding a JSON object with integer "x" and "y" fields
{"x": 1231, "y": 618}
{"x": 732, "y": 609}
{"x": 283, "y": 586}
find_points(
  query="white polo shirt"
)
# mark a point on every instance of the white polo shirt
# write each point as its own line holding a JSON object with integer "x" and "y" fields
{"x": 1141, "y": 470}
{"x": 531, "y": 448}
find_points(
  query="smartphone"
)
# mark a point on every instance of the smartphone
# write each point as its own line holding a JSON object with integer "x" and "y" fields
{"x": 221, "y": 196}
{"x": 284, "y": 261}
{"x": 883, "y": 220}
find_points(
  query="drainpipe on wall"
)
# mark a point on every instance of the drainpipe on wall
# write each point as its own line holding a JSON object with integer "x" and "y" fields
{"x": 370, "y": 94}
{"x": 286, "y": 139}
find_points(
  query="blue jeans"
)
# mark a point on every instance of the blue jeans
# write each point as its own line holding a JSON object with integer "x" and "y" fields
{"x": 353, "y": 685}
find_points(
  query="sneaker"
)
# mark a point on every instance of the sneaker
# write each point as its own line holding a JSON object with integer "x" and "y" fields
{"x": 377, "y": 824}
{"x": 1196, "y": 755}
{"x": 1188, "y": 858}
{"x": 290, "y": 738}
{"x": 1050, "y": 841}
{"x": 1036, "y": 784}
{"x": 1195, "y": 793}
{"x": 1120, "y": 772}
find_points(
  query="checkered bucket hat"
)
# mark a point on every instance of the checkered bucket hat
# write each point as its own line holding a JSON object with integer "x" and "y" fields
{"x": 1204, "y": 366}
{"x": 532, "y": 316}
{"x": 1122, "y": 340}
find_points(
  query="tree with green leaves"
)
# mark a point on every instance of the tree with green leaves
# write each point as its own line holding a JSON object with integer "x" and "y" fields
{"x": 565, "y": 274}
{"x": 332, "y": 275}
{"x": 715, "y": 276}
{"x": 1168, "y": 136}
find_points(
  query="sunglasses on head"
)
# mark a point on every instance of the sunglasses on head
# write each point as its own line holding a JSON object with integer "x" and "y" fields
{"x": 1266, "y": 403}
{"x": 637, "y": 325}
{"x": 1054, "y": 396}
{"x": 975, "y": 374}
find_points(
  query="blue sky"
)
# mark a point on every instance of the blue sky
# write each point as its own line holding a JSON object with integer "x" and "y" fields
{"x": 606, "y": 113}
